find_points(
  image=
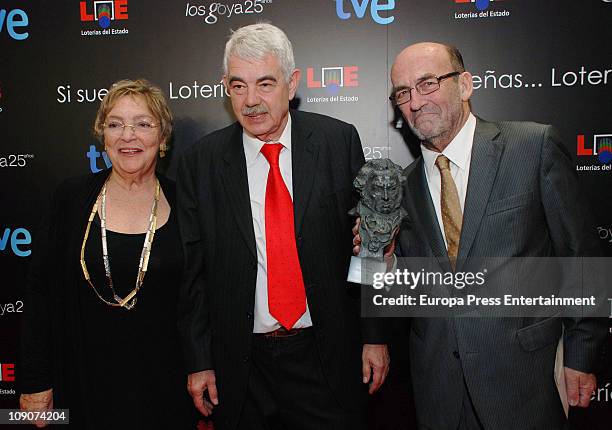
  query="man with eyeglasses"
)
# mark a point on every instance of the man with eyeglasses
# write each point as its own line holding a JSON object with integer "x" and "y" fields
{"x": 271, "y": 330}
{"x": 484, "y": 189}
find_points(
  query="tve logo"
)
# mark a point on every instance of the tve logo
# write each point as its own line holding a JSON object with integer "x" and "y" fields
{"x": 601, "y": 147}
{"x": 93, "y": 154}
{"x": 14, "y": 19}
{"x": 332, "y": 78}
{"x": 104, "y": 11}
{"x": 7, "y": 372}
{"x": 361, "y": 6}
{"x": 480, "y": 4}
{"x": 17, "y": 239}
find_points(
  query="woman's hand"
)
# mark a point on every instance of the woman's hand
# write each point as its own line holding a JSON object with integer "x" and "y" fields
{"x": 42, "y": 401}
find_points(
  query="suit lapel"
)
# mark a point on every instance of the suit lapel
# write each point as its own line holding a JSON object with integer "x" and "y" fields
{"x": 234, "y": 177}
{"x": 426, "y": 213}
{"x": 304, "y": 154}
{"x": 486, "y": 153}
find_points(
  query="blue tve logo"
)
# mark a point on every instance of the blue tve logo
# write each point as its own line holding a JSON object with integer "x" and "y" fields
{"x": 14, "y": 19}
{"x": 18, "y": 239}
{"x": 93, "y": 154}
{"x": 361, "y": 6}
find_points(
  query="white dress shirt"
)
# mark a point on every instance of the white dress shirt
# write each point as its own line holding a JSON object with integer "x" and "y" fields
{"x": 459, "y": 152}
{"x": 257, "y": 174}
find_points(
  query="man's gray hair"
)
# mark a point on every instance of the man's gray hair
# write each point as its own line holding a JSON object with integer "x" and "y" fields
{"x": 255, "y": 42}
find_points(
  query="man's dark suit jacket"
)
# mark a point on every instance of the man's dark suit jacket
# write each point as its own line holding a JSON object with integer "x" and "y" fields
{"x": 221, "y": 263}
{"x": 522, "y": 200}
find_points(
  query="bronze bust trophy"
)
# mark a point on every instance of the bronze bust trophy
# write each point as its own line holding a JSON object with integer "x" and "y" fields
{"x": 379, "y": 183}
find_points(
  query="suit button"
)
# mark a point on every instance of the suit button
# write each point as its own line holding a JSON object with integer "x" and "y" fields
{"x": 245, "y": 359}
{"x": 249, "y": 315}
{"x": 456, "y": 354}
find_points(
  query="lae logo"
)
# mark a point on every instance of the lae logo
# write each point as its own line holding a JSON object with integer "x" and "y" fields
{"x": 480, "y": 4}
{"x": 332, "y": 78}
{"x": 601, "y": 147}
{"x": 7, "y": 372}
{"x": 360, "y": 7}
{"x": 104, "y": 11}
{"x": 13, "y": 20}
{"x": 16, "y": 241}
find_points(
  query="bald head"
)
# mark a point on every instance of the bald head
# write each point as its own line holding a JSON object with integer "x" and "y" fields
{"x": 437, "y": 116}
{"x": 454, "y": 56}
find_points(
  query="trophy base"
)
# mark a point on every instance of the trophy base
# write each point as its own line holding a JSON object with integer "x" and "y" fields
{"x": 362, "y": 269}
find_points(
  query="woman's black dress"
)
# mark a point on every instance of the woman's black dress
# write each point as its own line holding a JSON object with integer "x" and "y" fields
{"x": 131, "y": 358}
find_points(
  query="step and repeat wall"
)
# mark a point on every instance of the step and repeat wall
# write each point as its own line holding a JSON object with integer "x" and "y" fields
{"x": 548, "y": 61}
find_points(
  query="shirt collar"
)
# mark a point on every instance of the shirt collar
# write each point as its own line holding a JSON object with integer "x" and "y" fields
{"x": 458, "y": 150}
{"x": 252, "y": 145}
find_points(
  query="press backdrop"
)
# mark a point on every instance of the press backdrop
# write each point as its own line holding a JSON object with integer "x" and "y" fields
{"x": 548, "y": 61}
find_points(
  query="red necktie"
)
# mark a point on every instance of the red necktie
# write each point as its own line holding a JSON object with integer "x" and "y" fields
{"x": 286, "y": 294}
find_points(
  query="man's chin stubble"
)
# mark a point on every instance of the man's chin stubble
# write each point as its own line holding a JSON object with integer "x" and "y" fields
{"x": 431, "y": 142}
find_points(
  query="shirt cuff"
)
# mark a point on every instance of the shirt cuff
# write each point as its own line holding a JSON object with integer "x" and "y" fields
{"x": 361, "y": 270}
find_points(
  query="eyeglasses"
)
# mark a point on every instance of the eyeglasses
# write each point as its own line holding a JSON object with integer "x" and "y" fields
{"x": 424, "y": 87}
{"x": 141, "y": 128}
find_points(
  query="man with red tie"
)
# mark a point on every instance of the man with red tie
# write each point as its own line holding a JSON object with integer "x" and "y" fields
{"x": 271, "y": 330}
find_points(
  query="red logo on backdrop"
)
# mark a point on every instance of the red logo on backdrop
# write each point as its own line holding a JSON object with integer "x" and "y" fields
{"x": 332, "y": 78}
{"x": 7, "y": 372}
{"x": 601, "y": 147}
{"x": 580, "y": 148}
{"x": 104, "y": 11}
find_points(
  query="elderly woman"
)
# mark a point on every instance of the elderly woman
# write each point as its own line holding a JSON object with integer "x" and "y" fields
{"x": 99, "y": 331}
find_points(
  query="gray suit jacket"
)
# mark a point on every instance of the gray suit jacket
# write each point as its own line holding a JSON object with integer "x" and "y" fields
{"x": 522, "y": 200}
